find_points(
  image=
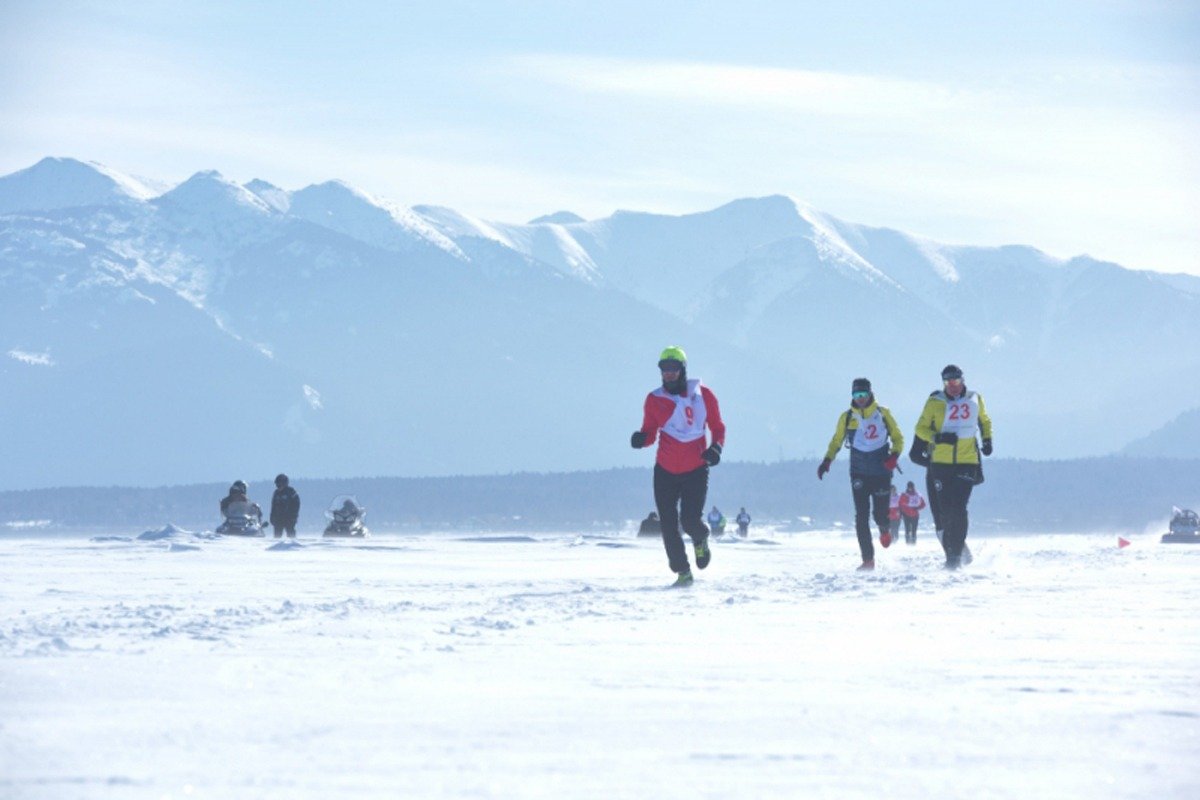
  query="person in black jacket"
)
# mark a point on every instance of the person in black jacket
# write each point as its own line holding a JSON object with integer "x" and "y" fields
{"x": 285, "y": 508}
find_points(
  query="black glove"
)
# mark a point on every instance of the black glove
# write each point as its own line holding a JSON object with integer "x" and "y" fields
{"x": 946, "y": 438}
{"x": 638, "y": 440}
{"x": 987, "y": 447}
{"x": 821, "y": 470}
{"x": 712, "y": 456}
{"x": 919, "y": 452}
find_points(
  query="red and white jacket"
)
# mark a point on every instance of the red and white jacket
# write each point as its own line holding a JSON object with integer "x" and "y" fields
{"x": 911, "y": 504}
{"x": 682, "y": 418}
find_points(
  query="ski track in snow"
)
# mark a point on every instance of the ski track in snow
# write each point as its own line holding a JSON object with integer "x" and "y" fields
{"x": 443, "y": 666}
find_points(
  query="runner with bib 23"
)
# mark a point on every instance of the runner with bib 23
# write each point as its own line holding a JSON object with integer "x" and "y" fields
{"x": 867, "y": 429}
{"x": 950, "y": 422}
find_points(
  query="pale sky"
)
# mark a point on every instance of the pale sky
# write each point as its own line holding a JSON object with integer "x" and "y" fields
{"x": 1072, "y": 126}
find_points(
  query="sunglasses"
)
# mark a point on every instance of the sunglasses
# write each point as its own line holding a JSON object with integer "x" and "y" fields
{"x": 951, "y": 380}
{"x": 860, "y": 395}
{"x": 669, "y": 366}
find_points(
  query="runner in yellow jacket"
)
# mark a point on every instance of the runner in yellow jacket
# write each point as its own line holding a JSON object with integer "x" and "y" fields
{"x": 949, "y": 424}
{"x": 875, "y": 444}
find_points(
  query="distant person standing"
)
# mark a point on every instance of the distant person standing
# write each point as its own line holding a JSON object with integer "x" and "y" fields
{"x": 950, "y": 421}
{"x": 911, "y": 503}
{"x": 716, "y": 521}
{"x": 874, "y": 439}
{"x": 743, "y": 523}
{"x": 681, "y": 409}
{"x": 285, "y": 508}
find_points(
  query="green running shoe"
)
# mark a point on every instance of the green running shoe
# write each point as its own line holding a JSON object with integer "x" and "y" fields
{"x": 684, "y": 579}
{"x": 703, "y": 554}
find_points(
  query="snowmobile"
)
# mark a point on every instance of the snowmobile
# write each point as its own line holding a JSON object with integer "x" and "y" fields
{"x": 1185, "y": 527}
{"x": 346, "y": 518}
{"x": 242, "y": 518}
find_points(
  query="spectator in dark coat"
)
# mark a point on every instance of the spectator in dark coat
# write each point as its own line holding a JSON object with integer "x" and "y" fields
{"x": 285, "y": 508}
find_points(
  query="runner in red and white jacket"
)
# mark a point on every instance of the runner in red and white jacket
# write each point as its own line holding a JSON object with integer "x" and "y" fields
{"x": 676, "y": 415}
{"x": 911, "y": 503}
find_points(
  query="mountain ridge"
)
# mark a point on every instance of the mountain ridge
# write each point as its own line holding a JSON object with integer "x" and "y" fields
{"x": 780, "y": 305}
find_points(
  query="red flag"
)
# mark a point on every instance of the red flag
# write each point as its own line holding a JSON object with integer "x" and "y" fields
{"x": 1121, "y": 542}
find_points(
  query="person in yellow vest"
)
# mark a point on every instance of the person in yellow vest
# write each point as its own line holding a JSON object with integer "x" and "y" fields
{"x": 875, "y": 443}
{"x": 950, "y": 422}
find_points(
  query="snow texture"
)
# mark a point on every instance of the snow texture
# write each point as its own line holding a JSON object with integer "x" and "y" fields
{"x": 562, "y": 667}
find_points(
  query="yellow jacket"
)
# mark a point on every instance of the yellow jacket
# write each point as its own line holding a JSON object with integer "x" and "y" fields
{"x": 964, "y": 416}
{"x": 847, "y": 427}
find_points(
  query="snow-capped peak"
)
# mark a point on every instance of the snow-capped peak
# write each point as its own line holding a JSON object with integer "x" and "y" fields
{"x": 272, "y": 195}
{"x": 210, "y": 190}
{"x": 455, "y": 224}
{"x": 347, "y": 210}
{"x": 558, "y": 218}
{"x": 832, "y": 247}
{"x": 55, "y": 183}
{"x": 934, "y": 252}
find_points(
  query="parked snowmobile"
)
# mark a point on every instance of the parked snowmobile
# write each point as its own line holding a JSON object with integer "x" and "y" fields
{"x": 1185, "y": 527}
{"x": 650, "y": 526}
{"x": 242, "y": 518}
{"x": 346, "y": 518}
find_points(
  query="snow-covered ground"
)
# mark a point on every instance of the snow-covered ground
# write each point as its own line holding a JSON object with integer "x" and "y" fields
{"x": 560, "y": 666}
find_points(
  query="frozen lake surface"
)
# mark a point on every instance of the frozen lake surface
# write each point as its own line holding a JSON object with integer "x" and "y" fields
{"x": 560, "y": 666}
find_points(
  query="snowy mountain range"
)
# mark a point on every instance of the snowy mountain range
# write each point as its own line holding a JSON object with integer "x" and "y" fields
{"x": 218, "y": 330}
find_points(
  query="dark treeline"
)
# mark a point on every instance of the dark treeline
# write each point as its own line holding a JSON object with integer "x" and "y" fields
{"x": 1099, "y": 494}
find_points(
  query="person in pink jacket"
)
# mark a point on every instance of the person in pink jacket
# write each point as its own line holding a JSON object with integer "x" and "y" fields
{"x": 911, "y": 503}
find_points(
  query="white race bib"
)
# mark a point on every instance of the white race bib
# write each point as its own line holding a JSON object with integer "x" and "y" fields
{"x": 871, "y": 433}
{"x": 962, "y": 416}
{"x": 687, "y": 422}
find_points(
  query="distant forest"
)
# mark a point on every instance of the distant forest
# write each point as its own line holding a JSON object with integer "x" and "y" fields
{"x": 1098, "y": 494}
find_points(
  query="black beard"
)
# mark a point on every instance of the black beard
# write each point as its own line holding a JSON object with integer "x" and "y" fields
{"x": 677, "y": 386}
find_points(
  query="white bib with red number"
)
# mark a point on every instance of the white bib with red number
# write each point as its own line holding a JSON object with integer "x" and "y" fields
{"x": 687, "y": 422}
{"x": 962, "y": 416}
{"x": 871, "y": 433}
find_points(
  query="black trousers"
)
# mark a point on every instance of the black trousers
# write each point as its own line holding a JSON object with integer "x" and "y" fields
{"x": 680, "y": 501}
{"x": 866, "y": 488}
{"x": 933, "y": 502}
{"x": 283, "y": 526}
{"x": 952, "y": 485}
{"x": 910, "y": 527}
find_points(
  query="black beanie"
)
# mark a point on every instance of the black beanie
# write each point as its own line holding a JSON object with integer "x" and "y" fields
{"x": 860, "y": 385}
{"x": 951, "y": 371}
